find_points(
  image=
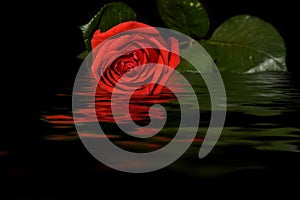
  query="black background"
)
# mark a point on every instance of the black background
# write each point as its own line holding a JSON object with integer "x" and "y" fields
{"x": 42, "y": 39}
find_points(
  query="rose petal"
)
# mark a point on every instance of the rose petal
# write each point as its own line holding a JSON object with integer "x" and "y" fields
{"x": 174, "y": 58}
{"x": 99, "y": 36}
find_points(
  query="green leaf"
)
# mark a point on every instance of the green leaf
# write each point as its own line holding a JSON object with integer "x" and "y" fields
{"x": 110, "y": 15}
{"x": 83, "y": 55}
{"x": 211, "y": 49}
{"x": 248, "y": 44}
{"x": 185, "y": 16}
{"x": 195, "y": 57}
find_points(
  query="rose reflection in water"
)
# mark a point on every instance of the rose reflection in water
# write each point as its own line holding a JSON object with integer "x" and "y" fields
{"x": 138, "y": 107}
{"x": 139, "y": 113}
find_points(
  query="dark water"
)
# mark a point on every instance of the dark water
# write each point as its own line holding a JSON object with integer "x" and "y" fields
{"x": 258, "y": 151}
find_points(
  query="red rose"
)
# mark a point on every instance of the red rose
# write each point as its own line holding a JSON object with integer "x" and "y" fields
{"x": 141, "y": 53}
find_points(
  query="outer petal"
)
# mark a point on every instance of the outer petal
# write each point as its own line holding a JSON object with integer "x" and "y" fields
{"x": 174, "y": 58}
{"x": 99, "y": 36}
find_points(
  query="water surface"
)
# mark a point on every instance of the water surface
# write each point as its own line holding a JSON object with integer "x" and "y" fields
{"x": 260, "y": 141}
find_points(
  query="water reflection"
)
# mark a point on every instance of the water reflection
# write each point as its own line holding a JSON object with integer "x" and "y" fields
{"x": 138, "y": 107}
{"x": 261, "y": 127}
{"x": 139, "y": 110}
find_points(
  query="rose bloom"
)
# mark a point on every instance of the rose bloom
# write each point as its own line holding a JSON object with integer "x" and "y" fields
{"x": 138, "y": 57}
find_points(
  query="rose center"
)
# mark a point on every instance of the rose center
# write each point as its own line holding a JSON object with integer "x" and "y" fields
{"x": 125, "y": 63}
